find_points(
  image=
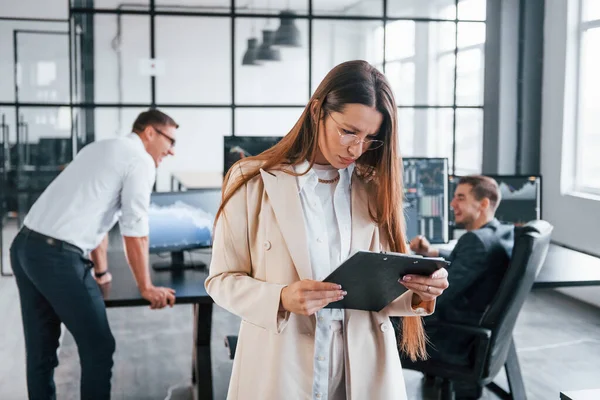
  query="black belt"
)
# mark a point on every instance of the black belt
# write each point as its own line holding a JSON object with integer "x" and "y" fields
{"x": 52, "y": 241}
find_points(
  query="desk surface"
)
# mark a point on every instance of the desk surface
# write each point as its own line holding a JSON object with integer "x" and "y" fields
{"x": 123, "y": 291}
{"x": 563, "y": 268}
{"x": 199, "y": 179}
{"x": 593, "y": 394}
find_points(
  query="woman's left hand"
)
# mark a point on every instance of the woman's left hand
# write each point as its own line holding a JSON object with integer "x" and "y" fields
{"x": 427, "y": 287}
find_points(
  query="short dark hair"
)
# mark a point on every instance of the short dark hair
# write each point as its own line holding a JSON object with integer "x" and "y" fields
{"x": 152, "y": 117}
{"x": 483, "y": 187}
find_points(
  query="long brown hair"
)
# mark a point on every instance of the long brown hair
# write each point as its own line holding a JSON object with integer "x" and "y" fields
{"x": 352, "y": 82}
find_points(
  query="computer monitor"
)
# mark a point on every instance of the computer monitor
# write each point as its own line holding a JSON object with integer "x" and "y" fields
{"x": 53, "y": 151}
{"x": 426, "y": 198}
{"x": 238, "y": 147}
{"x": 182, "y": 221}
{"x": 521, "y": 199}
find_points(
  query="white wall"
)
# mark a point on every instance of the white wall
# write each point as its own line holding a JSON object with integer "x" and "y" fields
{"x": 575, "y": 218}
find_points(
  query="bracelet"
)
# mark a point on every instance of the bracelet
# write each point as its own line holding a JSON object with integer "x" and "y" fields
{"x": 100, "y": 274}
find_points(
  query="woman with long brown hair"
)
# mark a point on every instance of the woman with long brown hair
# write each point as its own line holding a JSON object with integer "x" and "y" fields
{"x": 290, "y": 216}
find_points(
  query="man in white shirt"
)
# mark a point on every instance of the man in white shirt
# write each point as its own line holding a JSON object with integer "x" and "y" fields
{"x": 108, "y": 181}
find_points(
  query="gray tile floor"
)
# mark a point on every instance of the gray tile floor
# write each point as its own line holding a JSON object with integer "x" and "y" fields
{"x": 557, "y": 338}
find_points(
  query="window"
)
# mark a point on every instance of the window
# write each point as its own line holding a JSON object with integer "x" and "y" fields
{"x": 587, "y": 162}
{"x": 435, "y": 68}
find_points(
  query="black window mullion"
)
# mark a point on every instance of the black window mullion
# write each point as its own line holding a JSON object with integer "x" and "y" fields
{"x": 454, "y": 91}
{"x": 310, "y": 33}
{"x": 152, "y": 53}
{"x": 233, "y": 68}
{"x": 385, "y": 23}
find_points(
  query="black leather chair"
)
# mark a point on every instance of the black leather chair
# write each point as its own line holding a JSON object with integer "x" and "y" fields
{"x": 231, "y": 344}
{"x": 494, "y": 347}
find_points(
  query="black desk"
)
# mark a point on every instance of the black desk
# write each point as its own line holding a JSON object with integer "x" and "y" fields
{"x": 568, "y": 268}
{"x": 189, "y": 287}
{"x": 563, "y": 267}
{"x": 593, "y": 394}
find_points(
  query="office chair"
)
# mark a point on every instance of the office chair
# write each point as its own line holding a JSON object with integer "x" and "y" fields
{"x": 231, "y": 344}
{"x": 494, "y": 346}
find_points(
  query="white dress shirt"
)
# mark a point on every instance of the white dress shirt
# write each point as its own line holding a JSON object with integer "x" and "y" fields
{"x": 108, "y": 180}
{"x": 328, "y": 220}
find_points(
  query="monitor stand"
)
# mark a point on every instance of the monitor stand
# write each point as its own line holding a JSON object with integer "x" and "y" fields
{"x": 178, "y": 263}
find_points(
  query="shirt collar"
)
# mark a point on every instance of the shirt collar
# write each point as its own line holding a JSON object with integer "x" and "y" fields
{"x": 136, "y": 138}
{"x": 311, "y": 178}
{"x": 494, "y": 223}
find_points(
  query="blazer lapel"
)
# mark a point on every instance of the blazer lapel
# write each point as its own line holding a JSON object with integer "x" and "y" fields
{"x": 363, "y": 226}
{"x": 282, "y": 190}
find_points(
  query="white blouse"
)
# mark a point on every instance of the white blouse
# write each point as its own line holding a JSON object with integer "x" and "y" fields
{"x": 328, "y": 220}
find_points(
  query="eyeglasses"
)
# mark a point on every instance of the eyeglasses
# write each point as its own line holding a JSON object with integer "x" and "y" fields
{"x": 165, "y": 135}
{"x": 350, "y": 139}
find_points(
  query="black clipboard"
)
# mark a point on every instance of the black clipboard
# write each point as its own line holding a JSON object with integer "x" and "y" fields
{"x": 371, "y": 279}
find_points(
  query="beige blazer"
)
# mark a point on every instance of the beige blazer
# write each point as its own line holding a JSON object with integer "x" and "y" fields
{"x": 259, "y": 247}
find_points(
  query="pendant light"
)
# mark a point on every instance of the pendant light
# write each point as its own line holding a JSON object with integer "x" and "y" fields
{"x": 252, "y": 50}
{"x": 266, "y": 51}
{"x": 288, "y": 34}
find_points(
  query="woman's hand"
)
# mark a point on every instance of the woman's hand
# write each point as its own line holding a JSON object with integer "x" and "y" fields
{"x": 427, "y": 287}
{"x": 306, "y": 297}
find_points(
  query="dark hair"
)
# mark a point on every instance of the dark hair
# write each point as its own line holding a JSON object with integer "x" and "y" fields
{"x": 152, "y": 117}
{"x": 352, "y": 82}
{"x": 483, "y": 187}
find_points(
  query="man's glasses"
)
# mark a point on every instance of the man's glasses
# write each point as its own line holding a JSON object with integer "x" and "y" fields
{"x": 350, "y": 139}
{"x": 165, "y": 135}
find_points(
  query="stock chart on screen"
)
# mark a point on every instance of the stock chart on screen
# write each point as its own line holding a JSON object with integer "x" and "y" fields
{"x": 520, "y": 198}
{"x": 426, "y": 198}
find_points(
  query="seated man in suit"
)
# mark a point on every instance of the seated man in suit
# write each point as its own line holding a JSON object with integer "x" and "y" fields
{"x": 477, "y": 266}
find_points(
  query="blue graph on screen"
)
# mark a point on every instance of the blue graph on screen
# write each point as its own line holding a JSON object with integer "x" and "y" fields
{"x": 179, "y": 226}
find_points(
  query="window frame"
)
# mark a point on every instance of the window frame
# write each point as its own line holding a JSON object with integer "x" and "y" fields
{"x": 433, "y": 98}
{"x": 582, "y": 28}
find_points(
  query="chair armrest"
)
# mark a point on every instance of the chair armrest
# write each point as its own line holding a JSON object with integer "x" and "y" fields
{"x": 478, "y": 331}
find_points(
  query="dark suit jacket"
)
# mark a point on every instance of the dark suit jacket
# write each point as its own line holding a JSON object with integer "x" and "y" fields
{"x": 477, "y": 266}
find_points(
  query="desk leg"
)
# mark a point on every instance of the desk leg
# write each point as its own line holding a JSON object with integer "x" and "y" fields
{"x": 2, "y": 250}
{"x": 202, "y": 366}
{"x": 2, "y": 238}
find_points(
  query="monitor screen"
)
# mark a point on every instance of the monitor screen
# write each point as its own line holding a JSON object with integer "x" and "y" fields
{"x": 426, "y": 198}
{"x": 520, "y": 198}
{"x": 53, "y": 151}
{"x": 182, "y": 221}
{"x": 238, "y": 147}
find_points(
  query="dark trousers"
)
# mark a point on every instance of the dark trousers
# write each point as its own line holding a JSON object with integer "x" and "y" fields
{"x": 55, "y": 285}
{"x": 449, "y": 347}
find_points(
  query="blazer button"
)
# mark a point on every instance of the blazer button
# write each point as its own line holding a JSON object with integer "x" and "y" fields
{"x": 384, "y": 327}
{"x": 267, "y": 245}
